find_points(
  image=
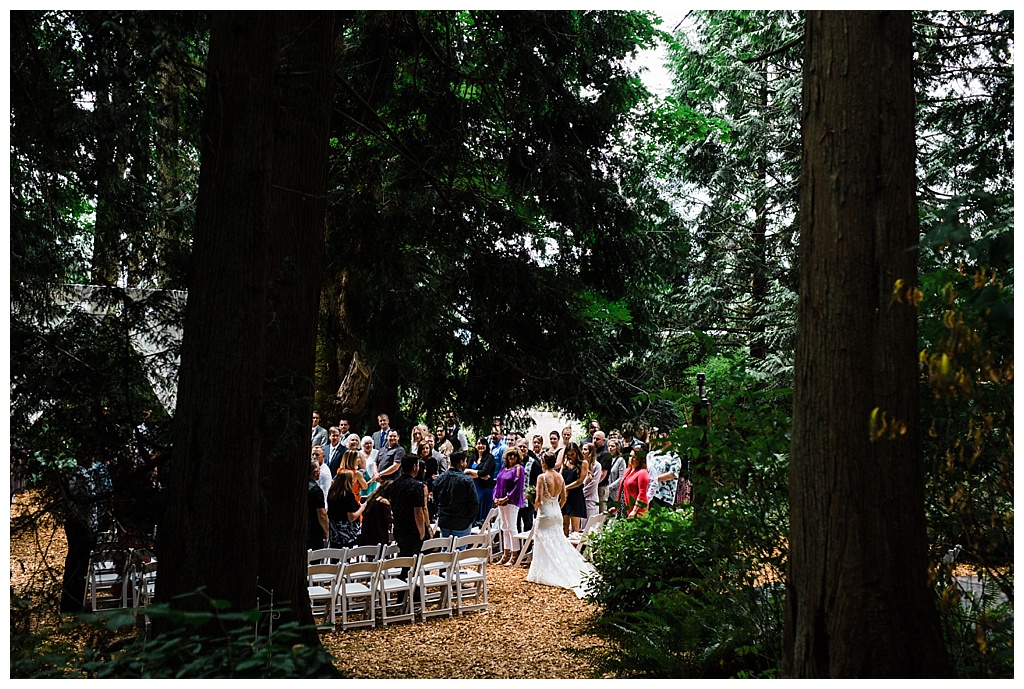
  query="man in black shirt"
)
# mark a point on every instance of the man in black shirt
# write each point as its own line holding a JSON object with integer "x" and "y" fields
{"x": 409, "y": 508}
{"x": 456, "y": 498}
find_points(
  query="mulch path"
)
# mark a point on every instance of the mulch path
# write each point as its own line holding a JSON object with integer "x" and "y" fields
{"x": 525, "y": 634}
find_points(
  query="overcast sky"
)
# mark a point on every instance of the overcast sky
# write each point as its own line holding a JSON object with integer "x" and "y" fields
{"x": 656, "y": 76}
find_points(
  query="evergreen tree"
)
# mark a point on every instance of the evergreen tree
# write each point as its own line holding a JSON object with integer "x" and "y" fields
{"x": 505, "y": 245}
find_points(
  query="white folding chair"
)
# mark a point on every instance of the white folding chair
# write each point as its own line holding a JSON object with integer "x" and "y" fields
{"x": 396, "y": 594}
{"x": 106, "y": 584}
{"x": 470, "y": 580}
{"x": 488, "y": 524}
{"x": 525, "y": 540}
{"x": 439, "y": 544}
{"x": 323, "y": 600}
{"x": 434, "y": 577}
{"x": 580, "y": 539}
{"x": 388, "y": 552}
{"x": 357, "y": 593}
{"x": 324, "y": 556}
{"x": 142, "y": 579}
{"x": 477, "y": 540}
{"x": 328, "y": 555}
{"x": 361, "y": 553}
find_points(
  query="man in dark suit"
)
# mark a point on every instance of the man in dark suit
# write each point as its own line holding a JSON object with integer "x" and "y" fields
{"x": 334, "y": 450}
{"x": 380, "y": 438}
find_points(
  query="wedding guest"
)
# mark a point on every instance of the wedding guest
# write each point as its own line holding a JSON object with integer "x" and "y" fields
{"x": 635, "y": 483}
{"x": 369, "y": 467}
{"x": 615, "y": 474}
{"x": 344, "y": 510}
{"x": 508, "y": 496}
{"x": 533, "y": 467}
{"x": 575, "y": 469}
{"x": 377, "y": 517}
{"x": 482, "y": 472}
{"x": 456, "y": 498}
{"x": 350, "y": 463}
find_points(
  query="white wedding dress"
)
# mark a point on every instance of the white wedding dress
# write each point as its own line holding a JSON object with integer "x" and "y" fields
{"x": 555, "y": 561}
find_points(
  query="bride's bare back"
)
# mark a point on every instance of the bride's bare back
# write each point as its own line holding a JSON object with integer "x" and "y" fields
{"x": 550, "y": 483}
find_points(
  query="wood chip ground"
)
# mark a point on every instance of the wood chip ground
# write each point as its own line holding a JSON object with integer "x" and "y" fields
{"x": 525, "y": 634}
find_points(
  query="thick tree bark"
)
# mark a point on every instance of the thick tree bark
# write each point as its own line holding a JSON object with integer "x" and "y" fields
{"x": 298, "y": 212}
{"x": 210, "y": 537}
{"x": 107, "y": 251}
{"x": 168, "y": 163}
{"x": 759, "y": 245}
{"x": 857, "y": 602}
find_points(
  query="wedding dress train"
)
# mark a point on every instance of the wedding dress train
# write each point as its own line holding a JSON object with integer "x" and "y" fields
{"x": 555, "y": 561}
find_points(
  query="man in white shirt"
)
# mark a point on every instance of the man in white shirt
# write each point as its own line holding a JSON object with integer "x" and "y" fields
{"x": 324, "y": 480}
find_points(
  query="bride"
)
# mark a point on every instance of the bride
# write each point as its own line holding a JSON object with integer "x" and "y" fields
{"x": 555, "y": 561}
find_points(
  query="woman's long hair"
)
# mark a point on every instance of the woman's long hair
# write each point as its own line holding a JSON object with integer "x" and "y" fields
{"x": 379, "y": 493}
{"x": 342, "y": 483}
{"x": 350, "y": 460}
{"x": 479, "y": 456}
{"x": 577, "y": 455}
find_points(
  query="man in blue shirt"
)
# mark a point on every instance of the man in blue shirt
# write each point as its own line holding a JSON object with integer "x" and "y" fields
{"x": 497, "y": 446}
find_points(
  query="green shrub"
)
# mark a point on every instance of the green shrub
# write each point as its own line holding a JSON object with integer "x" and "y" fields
{"x": 638, "y": 558}
{"x": 708, "y": 632}
{"x": 977, "y": 627}
{"x": 107, "y": 645}
{"x": 696, "y": 593}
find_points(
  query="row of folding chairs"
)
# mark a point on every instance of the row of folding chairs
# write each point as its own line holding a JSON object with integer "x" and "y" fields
{"x": 359, "y": 593}
{"x": 119, "y": 576}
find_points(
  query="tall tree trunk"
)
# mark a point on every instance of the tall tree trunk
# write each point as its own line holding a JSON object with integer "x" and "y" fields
{"x": 758, "y": 243}
{"x": 168, "y": 164}
{"x": 107, "y": 245}
{"x": 211, "y": 537}
{"x": 298, "y": 209}
{"x": 857, "y": 602}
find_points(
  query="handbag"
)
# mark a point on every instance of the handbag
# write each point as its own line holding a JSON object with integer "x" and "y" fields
{"x": 683, "y": 491}
{"x": 344, "y": 534}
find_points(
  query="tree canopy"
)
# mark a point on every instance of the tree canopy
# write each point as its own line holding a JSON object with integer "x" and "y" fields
{"x": 499, "y": 215}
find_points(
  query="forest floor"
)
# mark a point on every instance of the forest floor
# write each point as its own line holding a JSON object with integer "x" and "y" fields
{"x": 526, "y": 633}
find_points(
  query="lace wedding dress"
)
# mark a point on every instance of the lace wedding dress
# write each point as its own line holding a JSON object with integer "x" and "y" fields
{"x": 555, "y": 561}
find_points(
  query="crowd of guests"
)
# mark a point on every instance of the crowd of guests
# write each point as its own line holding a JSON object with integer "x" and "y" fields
{"x": 372, "y": 489}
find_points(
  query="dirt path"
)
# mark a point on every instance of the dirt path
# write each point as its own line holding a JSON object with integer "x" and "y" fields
{"x": 523, "y": 635}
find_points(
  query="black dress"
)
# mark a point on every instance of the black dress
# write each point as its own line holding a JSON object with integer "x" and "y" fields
{"x": 344, "y": 534}
{"x": 575, "y": 504}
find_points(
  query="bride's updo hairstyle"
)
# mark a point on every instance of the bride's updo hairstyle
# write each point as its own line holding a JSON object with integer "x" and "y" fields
{"x": 548, "y": 460}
